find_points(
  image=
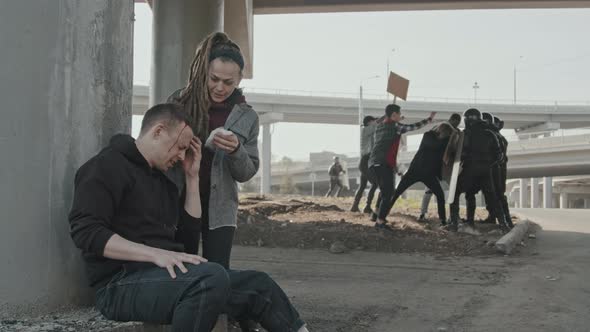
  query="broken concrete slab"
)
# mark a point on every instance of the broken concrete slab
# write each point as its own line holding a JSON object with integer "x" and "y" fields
{"x": 507, "y": 243}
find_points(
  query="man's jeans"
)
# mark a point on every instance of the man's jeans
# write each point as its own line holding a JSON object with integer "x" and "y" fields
{"x": 193, "y": 300}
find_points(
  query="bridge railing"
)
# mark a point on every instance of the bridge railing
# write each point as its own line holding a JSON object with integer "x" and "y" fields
{"x": 374, "y": 95}
{"x": 550, "y": 142}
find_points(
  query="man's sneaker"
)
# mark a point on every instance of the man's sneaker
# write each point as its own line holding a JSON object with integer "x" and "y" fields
{"x": 509, "y": 221}
{"x": 504, "y": 228}
{"x": 367, "y": 210}
{"x": 452, "y": 227}
{"x": 488, "y": 221}
{"x": 355, "y": 209}
{"x": 249, "y": 326}
{"x": 422, "y": 217}
{"x": 383, "y": 226}
{"x": 443, "y": 223}
{"x": 374, "y": 217}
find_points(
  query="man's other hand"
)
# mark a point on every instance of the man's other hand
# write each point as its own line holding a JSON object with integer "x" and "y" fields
{"x": 169, "y": 259}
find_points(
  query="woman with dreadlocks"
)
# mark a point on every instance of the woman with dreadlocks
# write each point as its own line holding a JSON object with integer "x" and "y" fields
{"x": 213, "y": 100}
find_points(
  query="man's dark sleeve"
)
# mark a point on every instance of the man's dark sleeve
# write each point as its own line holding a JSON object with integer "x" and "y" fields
{"x": 98, "y": 189}
{"x": 189, "y": 228}
{"x": 496, "y": 148}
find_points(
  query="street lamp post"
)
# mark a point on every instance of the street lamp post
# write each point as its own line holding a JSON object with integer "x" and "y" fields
{"x": 520, "y": 58}
{"x": 361, "y": 100}
{"x": 361, "y": 97}
{"x": 475, "y": 87}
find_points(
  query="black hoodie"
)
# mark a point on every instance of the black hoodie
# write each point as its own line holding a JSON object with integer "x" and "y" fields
{"x": 429, "y": 158}
{"x": 117, "y": 192}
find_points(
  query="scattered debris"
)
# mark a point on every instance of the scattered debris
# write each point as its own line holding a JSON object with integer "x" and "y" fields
{"x": 469, "y": 230}
{"x": 495, "y": 231}
{"x": 338, "y": 248}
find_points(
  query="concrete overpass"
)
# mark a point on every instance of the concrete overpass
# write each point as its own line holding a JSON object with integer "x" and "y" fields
{"x": 345, "y": 110}
{"x": 542, "y": 157}
{"x": 329, "y": 6}
{"x": 322, "y": 6}
{"x": 305, "y": 107}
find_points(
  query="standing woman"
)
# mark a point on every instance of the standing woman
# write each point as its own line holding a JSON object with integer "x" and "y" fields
{"x": 213, "y": 100}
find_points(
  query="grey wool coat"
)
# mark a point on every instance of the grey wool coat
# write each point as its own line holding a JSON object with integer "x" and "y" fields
{"x": 229, "y": 169}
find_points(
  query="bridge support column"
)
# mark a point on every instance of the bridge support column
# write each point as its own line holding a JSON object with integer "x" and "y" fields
{"x": 534, "y": 193}
{"x": 563, "y": 200}
{"x": 523, "y": 193}
{"x": 178, "y": 27}
{"x": 265, "y": 159}
{"x": 59, "y": 109}
{"x": 548, "y": 193}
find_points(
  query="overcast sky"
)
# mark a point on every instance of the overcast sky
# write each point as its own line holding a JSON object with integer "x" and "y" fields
{"x": 442, "y": 53}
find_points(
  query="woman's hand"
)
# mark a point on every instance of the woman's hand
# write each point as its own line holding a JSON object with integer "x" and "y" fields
{"x": 227, "y": 143}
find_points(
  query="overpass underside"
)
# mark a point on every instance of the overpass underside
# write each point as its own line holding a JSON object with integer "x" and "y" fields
{"x": 323, "y": 6}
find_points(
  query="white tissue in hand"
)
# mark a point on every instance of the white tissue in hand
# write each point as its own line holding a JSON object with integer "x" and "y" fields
{"x": 209, "y": 143}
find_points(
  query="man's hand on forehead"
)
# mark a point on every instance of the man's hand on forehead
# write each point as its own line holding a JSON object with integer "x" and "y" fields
{"x": 192, "y": 161}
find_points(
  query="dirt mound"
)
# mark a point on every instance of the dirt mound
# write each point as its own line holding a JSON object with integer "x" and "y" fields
{"x": 265, "y": 206}
{"x": 300, "y": 222}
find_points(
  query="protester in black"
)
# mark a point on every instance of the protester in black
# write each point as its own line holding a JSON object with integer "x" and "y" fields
{"x": 426, "y": 167}
{"x": 499, "y": 124}
{"x": 124, "y": 218}
{"x": 454, "y": 121}
{"x": 498, "y": 177}
{"x": 481, "y": 151}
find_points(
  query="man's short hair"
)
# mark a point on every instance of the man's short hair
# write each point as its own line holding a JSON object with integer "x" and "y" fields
{"x": 392, "y": 108}
{"x": 169, "y": 114}
{"x": 455, "y": 117}
{"x": 368, "y": 119}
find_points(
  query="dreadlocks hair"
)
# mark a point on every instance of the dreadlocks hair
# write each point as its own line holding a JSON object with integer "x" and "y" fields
{"x": 195, "y": 96}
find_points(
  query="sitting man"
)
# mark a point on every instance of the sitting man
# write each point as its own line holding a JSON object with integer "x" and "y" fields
{"x": 124, "y": 219}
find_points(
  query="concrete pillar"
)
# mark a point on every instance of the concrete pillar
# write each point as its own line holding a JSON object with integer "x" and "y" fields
{"x": 265, "y": 182}
{"x": 548, "y": 193}
{"x": 563, "y": 200}
{"x": 66, "y": 88}
{"x": 523, "y": 193}
{"x": 534, "y": 193}
{"x": 178, "y": 27}
{"x": 238, "y": 23}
